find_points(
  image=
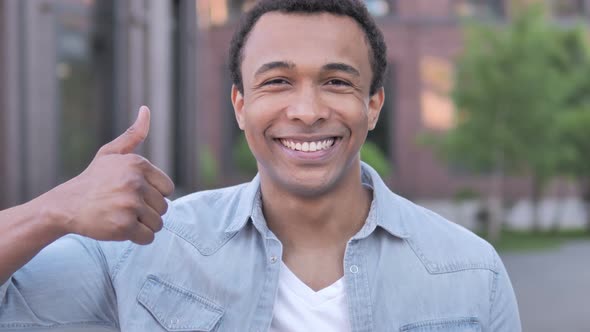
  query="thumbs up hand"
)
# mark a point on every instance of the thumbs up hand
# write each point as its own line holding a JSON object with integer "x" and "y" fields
{"x": 120, "y": 195}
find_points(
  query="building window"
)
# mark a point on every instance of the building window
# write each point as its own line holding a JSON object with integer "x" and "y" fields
{"x": 221, "y": 12}
{"x": 438, "y": 110}
{"x": 479, "y": 8}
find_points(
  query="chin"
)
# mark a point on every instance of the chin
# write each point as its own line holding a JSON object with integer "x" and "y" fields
{"x": 309, "y": 182}
{"x": 309, "y": 187}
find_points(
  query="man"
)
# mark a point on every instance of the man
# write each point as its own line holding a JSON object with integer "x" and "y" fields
{"x": 316, "y": 242}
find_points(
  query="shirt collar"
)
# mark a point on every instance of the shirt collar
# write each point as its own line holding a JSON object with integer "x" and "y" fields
{"x": 385, "y": 209}
{"x": 246, "y": 205}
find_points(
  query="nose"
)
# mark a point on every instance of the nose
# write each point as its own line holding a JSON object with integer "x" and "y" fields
{"x": 307, "y": 107}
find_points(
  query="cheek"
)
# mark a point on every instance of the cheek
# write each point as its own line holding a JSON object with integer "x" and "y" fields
{"x": 258, "y": 115}
{"x": 265, "y": 107}
{"x": 261, "y": 113}
{"x": 351, "y": 109}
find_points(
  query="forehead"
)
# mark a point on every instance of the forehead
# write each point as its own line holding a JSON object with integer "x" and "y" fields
{"x": 306, "y": 39}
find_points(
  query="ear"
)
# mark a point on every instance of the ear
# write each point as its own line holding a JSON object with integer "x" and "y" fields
{"x": 375, "y": 104}
{"x": 237, "y": 100}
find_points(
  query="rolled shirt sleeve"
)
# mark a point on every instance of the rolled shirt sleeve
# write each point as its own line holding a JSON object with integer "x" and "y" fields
{"x": 67, "y": 284}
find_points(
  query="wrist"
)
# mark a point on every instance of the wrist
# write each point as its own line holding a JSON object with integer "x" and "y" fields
{"x": 54, "y": 218}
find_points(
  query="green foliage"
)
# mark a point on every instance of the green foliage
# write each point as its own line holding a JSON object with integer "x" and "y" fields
{"x": 243, "y": 158}
{"x": 372, "y": 155}
{"x": 465, "y": 194}
{"x": 574, "y": 122}
{"x": 518, "y": 241}
{"x": 513, "y": 84}
{"x": 208, "y": 166}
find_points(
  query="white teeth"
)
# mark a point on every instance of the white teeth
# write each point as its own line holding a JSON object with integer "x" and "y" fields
{"x": 305, "y": 146}
{"x": 308, "y": 146}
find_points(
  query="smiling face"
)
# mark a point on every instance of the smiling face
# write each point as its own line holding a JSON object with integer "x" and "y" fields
{"x": 306, "y": 108}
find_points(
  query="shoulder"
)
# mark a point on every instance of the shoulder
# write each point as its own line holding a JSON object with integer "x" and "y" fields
{"x": 203, "y": 218}
{"x": 444, "y": 246}
{"x": 209, "y": 203}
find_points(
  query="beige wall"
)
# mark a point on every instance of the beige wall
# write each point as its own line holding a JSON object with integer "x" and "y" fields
{"x": 2, "y": 107}
{"x": 9, "y": 83}
{"x": 29, "y": 134}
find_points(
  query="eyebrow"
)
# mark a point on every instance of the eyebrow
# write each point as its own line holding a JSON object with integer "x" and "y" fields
{"x": 341, "y": 67}
{"x": 336, "y": 66}
{"x": 274, "y": 65}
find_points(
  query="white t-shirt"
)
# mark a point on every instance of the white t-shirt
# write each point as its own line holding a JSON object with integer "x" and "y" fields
{"x": 299, "y": 308}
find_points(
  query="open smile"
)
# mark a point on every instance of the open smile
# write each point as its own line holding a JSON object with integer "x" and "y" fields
{"x": 309, "y": 149}
{"x": 308, "y": 146}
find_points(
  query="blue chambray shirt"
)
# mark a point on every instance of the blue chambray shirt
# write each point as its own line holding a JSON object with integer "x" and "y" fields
{"x": 215, "y": 267}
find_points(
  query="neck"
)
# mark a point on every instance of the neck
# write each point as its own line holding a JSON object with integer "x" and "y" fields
{"x": 322, "y": 222}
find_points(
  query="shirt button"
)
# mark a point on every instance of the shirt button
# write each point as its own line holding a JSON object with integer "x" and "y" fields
{"x": 354, "y": 269}
{"x": 273, "y": 259}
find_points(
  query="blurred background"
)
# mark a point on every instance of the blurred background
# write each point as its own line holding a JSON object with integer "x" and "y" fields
{"x": 486, "y": 118}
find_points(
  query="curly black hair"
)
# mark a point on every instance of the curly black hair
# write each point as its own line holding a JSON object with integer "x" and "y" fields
{"x": 352, "y": 8}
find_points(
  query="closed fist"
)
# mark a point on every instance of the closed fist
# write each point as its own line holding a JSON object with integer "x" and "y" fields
{"x": 120, "y": 195}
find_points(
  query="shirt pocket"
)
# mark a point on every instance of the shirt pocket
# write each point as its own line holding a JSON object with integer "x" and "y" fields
{"x": 467, "y": 324}
{"x": 178, "y": 309}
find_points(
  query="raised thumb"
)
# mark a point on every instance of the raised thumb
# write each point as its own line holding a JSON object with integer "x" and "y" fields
{"x": 132, "y": 137}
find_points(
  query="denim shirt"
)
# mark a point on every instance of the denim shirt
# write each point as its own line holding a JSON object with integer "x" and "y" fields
{"x": 215, "y": 267}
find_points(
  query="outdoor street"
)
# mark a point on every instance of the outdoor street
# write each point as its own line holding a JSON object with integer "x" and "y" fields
{"x": 553, "y": 287}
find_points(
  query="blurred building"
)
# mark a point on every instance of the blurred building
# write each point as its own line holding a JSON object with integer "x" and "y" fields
{"x": 74, "y": 72}
{"x": 73, "y": 75}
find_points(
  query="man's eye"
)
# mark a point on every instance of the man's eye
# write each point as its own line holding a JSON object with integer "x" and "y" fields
{"x": 338, "y": 82}
{"x": 276, "y": 81}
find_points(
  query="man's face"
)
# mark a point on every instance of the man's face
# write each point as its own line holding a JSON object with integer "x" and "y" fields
{"x": 306, "y": 108}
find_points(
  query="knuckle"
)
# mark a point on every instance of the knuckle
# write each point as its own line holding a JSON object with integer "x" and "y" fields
{"x": 171, "y": 187}
{"x": 154, "y": 223}
{"x": 164, "y": 208}
{"x": 125, "y": 229}
{"x": 138, "y": 161}
{"x": 134, "y": 182}
{"x": 133, "y": 132}
{"x": 136, "y": 204}
{"x": 131, "y": 203}
{"x": 130, "y": 131}
{"x": 159, "y": 224}
{"x": 160, "y": 206}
